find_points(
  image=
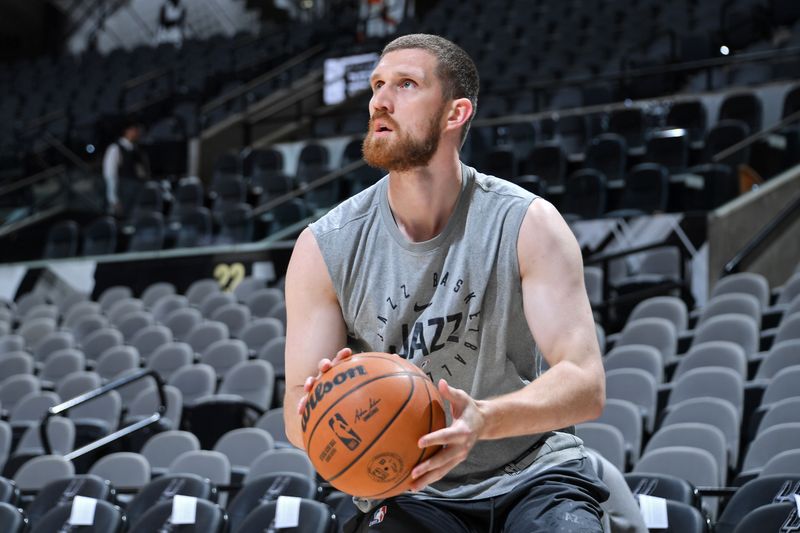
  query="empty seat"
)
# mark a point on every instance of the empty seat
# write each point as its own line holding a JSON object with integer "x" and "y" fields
{"x": 200, "y": 289}
{"x": 155, "y": 292}
{"x": 753, "y": 495}
{"x": 169, "y": 358}
{"x": 163, "y": 448}
{"x": 784, "y": 463}
{"x": 61, "y": 240}
{"x": 167, "y": 305}
{"x": 63, "y": 491}
{"x": 224, "y": 355}
{"x": 713, "y": 353}
{"x": 698, "y": 467}
{"x": 630, "y": 124}
{"x": 317, "y": 516}
{"x": 12, "y": 519}
{"x": 731, "y": 303}
{"x": 744, "y": 106}
{"x": 59, "y": 365}
{"x": 194, "y": 382}
{"x": 205, "y": 334}
{"x": 272, "y": 422}
{"x": 211, "y": 465}
{"x": 40, "y": 471}
{"x": 767, "y": 444}
{"x": 261, "y": 331}
{"x": 15, "y": 388}
{"x": 209, "y": 518}
{"x": 30, "y": 410}
{"x": 738, "y": 329}
{"x": 36, "y": 330}
{"x": 262, "y": 301}
{"x": 112, "y": 295}
{"x": 781, "y": 355}
{"x": 236, "y": 224}
{"x": 100, "y": 237}
{"x": 548, "y": 161}
{"x": 712, "y": 411}
{"x": 133, "y": 323}
{"x": 242, "y": 447}
{"x": 107, "y": 519}
{"x": 626, "y": 417}
{"x": 722, "y": 136}
{"x": 637, "y": 386}
{"x": 669, "y": 148}
{"x": 656, "y": 332}
{"x": 123, "y": 470}
{"x": 182, "y": 321}
{"x": 117, "y": 360}
{"x": 789, "y": 329}
{"x": 195, "y": 228}
{"x": 646, "y": 191}
{"x": 162, "y": 490}
{"x": 267, "y": 488}
{"x": 16, "y": 363}
{"x": 695, "y": 435}
{"x": 690, "y": 115}
{"x": 715, "y": 382}
{"x": 637, "y": 356}
{"x": 233, "y": 315}
{"x": 770, "y": 517}
{"x": 281, "y": 460}
{"x": 606, "y": 440}
{"x": 147, "y": 402}
{"x": 100, "y": 341}
{"x": 667, "y": 307}
{"x": 780, "y": 412}
{"x": 149, "y": 232}
{"x": 148, "y": 340}
{"x": 585, "y": 194}
{"x": 215, "y": 301}
{"x": 122, "y": 308}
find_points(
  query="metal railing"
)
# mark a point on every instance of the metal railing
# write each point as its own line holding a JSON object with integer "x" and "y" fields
{"x": 774, "y": 229}
{"x": 64, "y": 407}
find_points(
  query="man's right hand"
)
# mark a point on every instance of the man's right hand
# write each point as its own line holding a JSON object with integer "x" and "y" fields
{"x": 324, "y": 365}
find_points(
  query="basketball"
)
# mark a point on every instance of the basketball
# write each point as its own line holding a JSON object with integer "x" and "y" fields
{"x": 362, "y": 422}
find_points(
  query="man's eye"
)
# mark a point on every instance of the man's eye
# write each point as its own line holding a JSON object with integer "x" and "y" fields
{"x": 408, "y": 84}
{"x": 377, "y": 85}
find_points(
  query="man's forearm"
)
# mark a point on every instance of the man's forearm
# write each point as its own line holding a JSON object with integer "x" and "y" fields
{"x": 564, "y": 395}
{"x": 290, "y": 417}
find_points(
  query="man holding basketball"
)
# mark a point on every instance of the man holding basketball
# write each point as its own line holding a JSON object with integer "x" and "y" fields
{"x": 475, "y": 281}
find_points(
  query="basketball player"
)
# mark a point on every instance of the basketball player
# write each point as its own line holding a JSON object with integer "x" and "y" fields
{"x": 473, "y": 279}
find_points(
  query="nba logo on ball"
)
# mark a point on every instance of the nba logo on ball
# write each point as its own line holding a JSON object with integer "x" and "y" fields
{"x": 363, "y": 420}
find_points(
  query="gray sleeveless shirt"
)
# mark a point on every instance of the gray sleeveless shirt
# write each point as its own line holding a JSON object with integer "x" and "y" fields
{"x": 452, "y": 305}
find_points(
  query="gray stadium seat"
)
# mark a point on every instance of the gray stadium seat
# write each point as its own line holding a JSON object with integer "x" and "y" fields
{"x": 281, "y": 460}
{"x": 789, "y": 329}
{"x": 78, "y": 311}
{"x": 166, "y": 305}
{"x": 260, "y": 331}
{"x": 148, "y": 340}
{"x": 78, "y": 383}
{"x": 12, "y": 519}
{"x": 266, "y": 489}
{"x": 15, "y": 388}
{"x": 133, "y": 323}
{"x": 780, "y": 412}
{"x": 782, "y": 464}
{"x": 782, "y": 386}
{"x": 236, "y": 316}
{"x": 168, "y": 358}
{"x": 155, "y": 292}
{"x": 242, "y": 447}
{"x": 767, "y": 444}
{"x": 205, "y": 334}
{"x": 317, "y": 517}
{"x": 781, "y": 355}
{"x": 58, "y": 340}
{"x": 41, "y": 470}
{"x": 606, "y": 440}
{"x": 209, "y": 518}
{"x": 713, "y": 353}
{"x": 146, "y": 403}
{"x": 30, "y": 410}
{"x": 636, "y": 386}
{"x": 224, "y": 355}
{"x": 695, "y": 435}
{"x": 272, "y": 422}
{"x": 36, "y": 330}
{"x": 108, "y": 518}
{"x": 638, "y": 356}
{"x": 769, "y": 517}
{"x": 122, "y": 308}
{"x": 697, "y": 466}
{"x": 16, "y": 363}
{"x": 273, "y": 353}
{"x": 123, "y": 469}
{"x": 744, "y": 282}
{"x": 668, "y": 307}
{"x": 195, "y": 382}
{"x": 200, "y": 289}
{"x": 162, "y": 449}
{"x": 739, "y": 329}
{"x": 627, "y": 418}
{"x": 182, "y": 321}
{"x": 115, "y": 361}
{"x": 100, "y": 341}
{"x": 59, "y": 365}
{"x": 656, "y": 332}
{"x": 112, "y": 295}
{"x": 731, "y": 303}
{"x": 215, "y": 301}
{"x": 713, "y": 411}
{"x": 715, "y": 382}
{"x": 88, "y": 324}
{"x": 262, "y": 301}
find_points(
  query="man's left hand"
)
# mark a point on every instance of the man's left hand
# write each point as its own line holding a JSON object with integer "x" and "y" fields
{"x": 456, "y": 440}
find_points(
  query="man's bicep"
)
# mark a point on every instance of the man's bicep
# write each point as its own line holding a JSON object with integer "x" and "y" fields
{"x": 554, "y": 295}
{"x": 315, "y": 328}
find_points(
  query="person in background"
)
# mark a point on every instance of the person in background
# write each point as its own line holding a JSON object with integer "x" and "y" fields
{"x": 125, "y": 169}
{"x": 171, "y": 19}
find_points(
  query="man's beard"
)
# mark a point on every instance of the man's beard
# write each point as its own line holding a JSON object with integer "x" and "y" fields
{"x": 404, "y": 152}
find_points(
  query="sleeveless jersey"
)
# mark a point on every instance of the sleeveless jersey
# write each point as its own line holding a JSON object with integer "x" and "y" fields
{"x": 452, "y": 305}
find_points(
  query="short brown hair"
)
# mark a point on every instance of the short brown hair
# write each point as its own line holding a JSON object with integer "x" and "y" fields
{"x": 455, "y": 68}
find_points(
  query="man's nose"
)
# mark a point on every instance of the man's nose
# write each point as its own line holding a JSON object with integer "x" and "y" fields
{"x": 381, "y": 100}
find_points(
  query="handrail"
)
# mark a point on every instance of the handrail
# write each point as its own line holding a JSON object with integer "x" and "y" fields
{"x": 747, "y": 141}
{"x": 91, "y": 395}
{"x": 30, "y": 180}
{"x": 270, "y": 74}
{"x": 308, "y": 186}
{"x": 773, "y": 229}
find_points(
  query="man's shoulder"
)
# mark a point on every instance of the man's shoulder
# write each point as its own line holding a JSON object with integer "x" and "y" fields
{"x": 351, "y": 213}
{"x": 501, "y": 188}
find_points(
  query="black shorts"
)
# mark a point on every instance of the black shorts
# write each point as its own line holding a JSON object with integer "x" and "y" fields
{"x": 564, "y": 498}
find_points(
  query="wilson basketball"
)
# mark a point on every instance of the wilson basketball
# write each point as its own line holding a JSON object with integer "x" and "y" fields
{"x": 362, "y": 422}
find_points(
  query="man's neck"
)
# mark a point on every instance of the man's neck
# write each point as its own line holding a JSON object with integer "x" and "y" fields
{"x": 423, "y": 199}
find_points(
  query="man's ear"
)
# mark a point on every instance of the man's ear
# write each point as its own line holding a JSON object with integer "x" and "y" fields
{"x": 460, "y": 112}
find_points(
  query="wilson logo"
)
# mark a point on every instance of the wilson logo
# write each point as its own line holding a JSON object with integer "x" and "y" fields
{"x": 322, "y": 389}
